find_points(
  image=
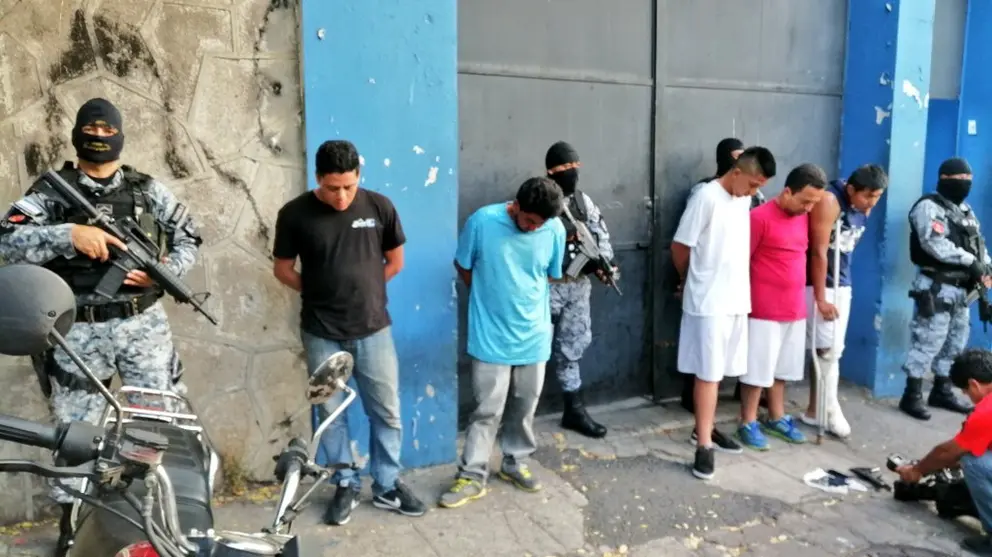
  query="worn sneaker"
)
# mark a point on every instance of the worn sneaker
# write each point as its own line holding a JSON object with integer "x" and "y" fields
{"x": 339, "y": 509}
{"x": 785, "y": 429}
{"x": 401, "y": 500}
{"x": 705, "y": 463}
{"x": 750, "y": 434}
{"x": 461, "y": 492}
{"x": 521, "y": 477}
{"x": 721, "y": 442}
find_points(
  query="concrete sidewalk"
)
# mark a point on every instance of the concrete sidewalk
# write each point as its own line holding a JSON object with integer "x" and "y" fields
{"x": 632, "y": 494}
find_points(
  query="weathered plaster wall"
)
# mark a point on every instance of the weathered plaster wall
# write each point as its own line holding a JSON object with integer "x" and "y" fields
{"x": 209, "y": 91}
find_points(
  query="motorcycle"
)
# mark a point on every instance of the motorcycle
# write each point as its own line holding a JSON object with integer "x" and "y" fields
{"x": 946, "y": 488}
{"x": 148, "y": 467}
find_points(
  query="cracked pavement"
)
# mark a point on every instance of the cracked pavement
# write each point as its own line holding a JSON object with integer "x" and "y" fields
{"x": 632, "y": 494}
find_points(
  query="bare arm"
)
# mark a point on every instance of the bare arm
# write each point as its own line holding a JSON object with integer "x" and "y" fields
{"x": 285, "y": 272}
{"x": 680, "y": 259}
{"x": 394, "y": 262}
{"x": 465, "y": 274}
{"x": 821, "y": 224}
{"x": 944, "y": 455}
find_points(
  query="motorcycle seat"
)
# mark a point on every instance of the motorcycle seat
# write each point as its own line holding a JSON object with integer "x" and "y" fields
{"x": 185, "y": 460}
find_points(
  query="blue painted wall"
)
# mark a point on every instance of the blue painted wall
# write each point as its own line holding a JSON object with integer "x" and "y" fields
{"x": 887, "y": 75}
{"x": 942, "y": 138}
{"x": 976, "y": 104}
{"x": 383, "y": 74}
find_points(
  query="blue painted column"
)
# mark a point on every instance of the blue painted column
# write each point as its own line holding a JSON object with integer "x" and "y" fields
{"x": 887, "y": 77}
{"x": 383, "y": 74}
{"x": 974, "y": 145}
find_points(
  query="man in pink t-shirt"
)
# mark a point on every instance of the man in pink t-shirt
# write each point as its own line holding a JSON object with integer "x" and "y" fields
{"x": 777, "y": 323}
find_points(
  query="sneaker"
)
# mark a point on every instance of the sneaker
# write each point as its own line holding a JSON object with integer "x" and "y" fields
{"x": 750, "y": 434}
{"x": 785, "y": 429}
{"x": 521, "y": 477}
{"x": 461, "y": 492}
{"x": 703, "y": 467}
{"x": 721, "y": 442}
{"x": 401, "y": 500}
{"x": 345, "y": 500}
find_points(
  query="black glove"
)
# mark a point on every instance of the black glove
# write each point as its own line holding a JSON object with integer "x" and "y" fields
{"x": 978, "y": 269}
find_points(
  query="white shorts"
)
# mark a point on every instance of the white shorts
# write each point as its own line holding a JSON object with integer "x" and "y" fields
{"x": 825, "y": 330}
{"x": 712, "y": 347}
{"x": 775, "y": 351}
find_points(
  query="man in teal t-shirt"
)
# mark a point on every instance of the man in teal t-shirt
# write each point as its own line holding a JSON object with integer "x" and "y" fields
{"x": 507, "y": 252}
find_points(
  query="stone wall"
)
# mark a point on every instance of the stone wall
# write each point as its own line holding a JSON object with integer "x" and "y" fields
{"x": 210, "y": 95}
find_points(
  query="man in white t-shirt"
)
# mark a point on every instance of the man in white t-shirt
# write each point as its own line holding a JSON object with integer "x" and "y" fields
{"x": 711, "y": 252}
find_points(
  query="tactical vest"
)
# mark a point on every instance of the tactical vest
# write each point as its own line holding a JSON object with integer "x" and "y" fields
{"x": 130, "y": 199}
{"x": 962, "y": 231}
{"x": 576, "y": 206}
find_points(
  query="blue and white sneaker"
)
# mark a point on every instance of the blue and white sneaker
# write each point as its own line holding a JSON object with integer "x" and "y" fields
{"x": 785, "y": 429}
{"x": 750, "y": 434}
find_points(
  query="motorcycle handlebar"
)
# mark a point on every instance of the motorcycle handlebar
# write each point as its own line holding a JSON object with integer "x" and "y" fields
{"x": 30, "y": 433}
{"x": 76, "y": 442}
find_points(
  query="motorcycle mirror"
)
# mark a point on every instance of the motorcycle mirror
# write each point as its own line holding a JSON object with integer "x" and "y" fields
{"x": 37, "y": 311}
{"x": 323, "y": 382}
{"x": 34, "y": 303}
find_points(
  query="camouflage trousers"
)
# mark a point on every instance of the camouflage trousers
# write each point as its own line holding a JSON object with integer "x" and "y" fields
{"x": 139, "y": 349}
{"x": 935, "y": 341}
{"x": 570, "y": 311}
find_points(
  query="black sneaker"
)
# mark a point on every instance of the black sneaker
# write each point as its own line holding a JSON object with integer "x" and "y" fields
{"x": 401, "y": 500}
{"x": 339, "y": 509}
{"x": 703, "y": 467}
{"x": 721, "y": 442}
{"x": 978, "y": 545}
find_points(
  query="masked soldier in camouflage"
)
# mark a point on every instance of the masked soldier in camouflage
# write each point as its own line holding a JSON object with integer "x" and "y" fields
{"x": 570, "y": 298}
{"x": 946, "y": 244}
{"x": 130, "y": 333}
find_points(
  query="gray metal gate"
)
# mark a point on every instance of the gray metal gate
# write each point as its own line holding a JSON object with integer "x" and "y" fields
{"x": 587, "y": 71}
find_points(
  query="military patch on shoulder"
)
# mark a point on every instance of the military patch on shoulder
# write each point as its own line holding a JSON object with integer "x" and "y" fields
{"x": 937, "y": 226}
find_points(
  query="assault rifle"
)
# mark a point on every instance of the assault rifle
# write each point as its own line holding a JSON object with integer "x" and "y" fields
{"x": 981, "y": 293}
{"x": 589, "y": 252}
{"x": 141, "y": 253}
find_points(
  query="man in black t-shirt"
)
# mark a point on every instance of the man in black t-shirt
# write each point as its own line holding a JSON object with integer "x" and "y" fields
{"x": 349, "y": 242}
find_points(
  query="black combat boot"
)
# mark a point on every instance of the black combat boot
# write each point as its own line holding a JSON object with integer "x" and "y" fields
{"x": 65, "y": 531}
{"x": 912, "y": 399}
{"x": 942, "y": 396}
{"x": 577, "y": 419}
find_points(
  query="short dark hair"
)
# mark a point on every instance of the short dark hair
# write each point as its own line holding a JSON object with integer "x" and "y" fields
{"x": 541, "y": 196}
{"x": 974, "y": 363}
{"x": 868, "y": 177}
{"x": 757, "y": 160}
{"x": 337, "y": 156}
{"x": 806, "y": 174}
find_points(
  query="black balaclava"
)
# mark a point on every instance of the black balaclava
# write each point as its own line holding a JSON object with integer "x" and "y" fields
{"x": 558, "y": 154}
{"x": 724, "y": 159}
{"x": 954, "y": 189}
{"x": 94, "y": 148}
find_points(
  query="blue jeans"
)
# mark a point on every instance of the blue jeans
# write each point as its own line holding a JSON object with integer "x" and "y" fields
{"x": 376, "y": 375}
{"x": 978, "y": 478}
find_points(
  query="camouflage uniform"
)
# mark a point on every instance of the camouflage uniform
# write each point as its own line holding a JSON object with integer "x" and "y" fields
{"x": 937, "y": 337}
{"x": 139, "y": 347}
{"x": 570, "y": 308}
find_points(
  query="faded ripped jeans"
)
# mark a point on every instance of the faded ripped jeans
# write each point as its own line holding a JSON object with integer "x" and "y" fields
{"x": 376, "y": 379}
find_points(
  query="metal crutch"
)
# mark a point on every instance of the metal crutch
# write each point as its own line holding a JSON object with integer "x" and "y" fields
{"x": 821, "y": 391}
